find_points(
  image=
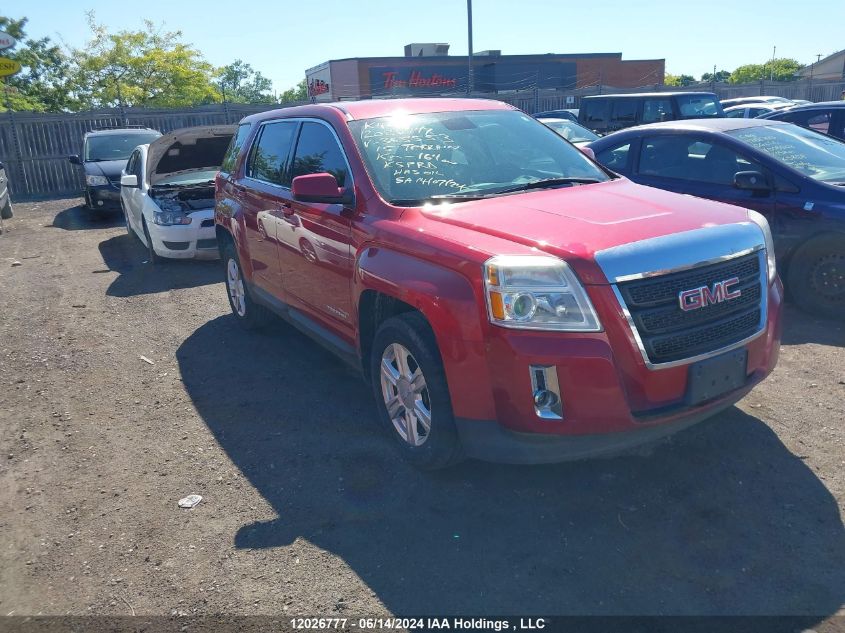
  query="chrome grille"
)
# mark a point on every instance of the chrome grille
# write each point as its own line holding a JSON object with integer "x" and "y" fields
{"x": 669, "y": 334}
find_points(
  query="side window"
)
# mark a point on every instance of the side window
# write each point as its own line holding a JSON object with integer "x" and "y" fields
{"x": 655, "y": 110}
{"x": 685, "y": 158}
{"x": 269, "y": 157}
{"x": 595, "y": 112}
{"x": 235, "y": 146}
{"x": 317, "y": 151}
{"x": 820, "y": 122}
{"x": 813, "y": 119}
{"x": 736, "y": 114}
{"x": 624, "y": 112}
{"x": 615, "y": 158}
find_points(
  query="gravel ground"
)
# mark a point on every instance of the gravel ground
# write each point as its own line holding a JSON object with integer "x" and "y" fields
{"x": 306, "y": 509}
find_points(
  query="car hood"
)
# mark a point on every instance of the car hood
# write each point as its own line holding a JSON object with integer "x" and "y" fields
{"x": 576, "y": 222}
{"x": 186, "y": 150}
{"x": 109, "y": 168}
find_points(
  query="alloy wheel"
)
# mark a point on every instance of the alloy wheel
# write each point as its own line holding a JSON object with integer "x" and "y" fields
{"x": 405, "y": 394}
{"x": 235, "y": 284}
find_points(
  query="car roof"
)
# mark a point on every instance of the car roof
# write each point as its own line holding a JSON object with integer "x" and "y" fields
{"x": 750, "y": 104}
{"x": 822, "y": 104}
{"x": 674, "y": 93}
{"x": 701, "y": 125}
{"x": 121, "y": 130}
{"x": 374, "y": 108}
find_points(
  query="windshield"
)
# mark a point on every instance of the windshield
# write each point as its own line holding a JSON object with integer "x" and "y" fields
{"x": 115, "y": 146}
{"x": 699, "y": 106}
{"x": 570, "y": 130}
{"x": 815, "y": 155}
{"x": 414, "y": 158}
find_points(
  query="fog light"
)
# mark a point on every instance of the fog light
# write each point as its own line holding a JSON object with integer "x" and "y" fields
{"x": 543, "y": 399}
{"x": 545, "y": 392}
{"x": 99, "y": 203}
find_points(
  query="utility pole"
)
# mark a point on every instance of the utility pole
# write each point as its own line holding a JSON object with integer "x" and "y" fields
{"x": 772, "y": 73}
{"x": 469, "y": 42}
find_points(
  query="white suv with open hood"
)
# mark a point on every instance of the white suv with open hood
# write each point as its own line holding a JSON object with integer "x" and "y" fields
{"x": 167, "y": 191}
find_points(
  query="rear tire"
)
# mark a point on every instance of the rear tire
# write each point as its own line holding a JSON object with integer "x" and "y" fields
{"x": 6, "y": 212}
{"x": 249, "y": 314}
{"x": 411, "y": 392}
{"x": 816, "y": 276}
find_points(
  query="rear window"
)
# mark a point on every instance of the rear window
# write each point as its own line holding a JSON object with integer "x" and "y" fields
{"x": 235, "y": 147}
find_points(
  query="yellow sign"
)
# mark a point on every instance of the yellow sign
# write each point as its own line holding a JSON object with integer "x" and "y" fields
{"x": 8, "y": 67}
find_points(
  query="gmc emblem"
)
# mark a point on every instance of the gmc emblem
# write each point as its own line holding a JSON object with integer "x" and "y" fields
{"x": 705, "y": 296}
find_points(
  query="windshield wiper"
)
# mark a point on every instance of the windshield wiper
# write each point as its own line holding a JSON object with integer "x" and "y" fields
{"x": 441, "y": 197}
{"x": 547, "y": 182}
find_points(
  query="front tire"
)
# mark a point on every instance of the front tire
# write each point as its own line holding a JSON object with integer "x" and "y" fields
{"x": 152, "y": 257}
{"x": 249, "y": 314}
{"x": 816, "y": 276}
{"x": 411, "y": 392}
{"x": 6, "y": 212}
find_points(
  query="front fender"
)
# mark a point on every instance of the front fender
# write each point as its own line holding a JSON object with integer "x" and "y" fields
{"x": 450, "y": 304}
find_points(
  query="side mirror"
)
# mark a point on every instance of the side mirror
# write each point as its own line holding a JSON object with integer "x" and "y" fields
{"x": 321, "y": 188}
{"x": 74, "y": 159}
{"x": 588, "y": 151}
{"x": 751, "y": 181}
{"x": 129, "y": 180}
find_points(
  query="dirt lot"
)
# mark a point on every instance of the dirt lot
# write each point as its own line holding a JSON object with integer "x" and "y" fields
{"x": 306, "y": 509}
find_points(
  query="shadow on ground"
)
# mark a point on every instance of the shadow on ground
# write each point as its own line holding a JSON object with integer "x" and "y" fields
{"x": 78, "y": 218}
{"x": 126, "y": 255}
{"x": 800, "y": 327}
{"x": 722, "y": 519}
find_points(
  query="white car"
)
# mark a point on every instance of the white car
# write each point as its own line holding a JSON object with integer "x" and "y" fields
{"x": 167, "y": 192}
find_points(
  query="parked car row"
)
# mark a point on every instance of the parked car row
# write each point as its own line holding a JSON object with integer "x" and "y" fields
{"x": 506, "y": 296}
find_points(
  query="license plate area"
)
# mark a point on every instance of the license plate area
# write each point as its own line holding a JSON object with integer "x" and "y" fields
{"x": 714, "y": 377}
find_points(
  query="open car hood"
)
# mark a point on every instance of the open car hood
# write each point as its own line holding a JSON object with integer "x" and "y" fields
{"x": 186, "y": 150}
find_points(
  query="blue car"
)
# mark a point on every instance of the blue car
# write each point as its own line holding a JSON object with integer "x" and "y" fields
{"x": 792, "y": 175}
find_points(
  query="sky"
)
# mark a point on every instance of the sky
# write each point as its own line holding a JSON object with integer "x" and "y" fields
{"x": 283, "y": 38}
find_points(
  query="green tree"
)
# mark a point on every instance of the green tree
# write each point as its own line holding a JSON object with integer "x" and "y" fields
{"x": 240, "y": 83}
{"x": 678, "y": 80}
{"x": 148, "y": 67}
{"x": 297, "y": 93}
{"x": 41, "y": 85}
{"x": 722, "y": 75}
{"x": 782, "y": 69}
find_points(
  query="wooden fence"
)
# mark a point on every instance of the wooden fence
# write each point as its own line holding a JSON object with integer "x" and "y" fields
{"x": 35, "y": 146}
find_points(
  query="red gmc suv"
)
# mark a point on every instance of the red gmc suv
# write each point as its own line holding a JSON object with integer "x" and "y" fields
{"x": 506, "y": 297}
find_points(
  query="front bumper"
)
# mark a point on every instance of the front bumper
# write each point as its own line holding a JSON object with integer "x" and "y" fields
{"x": 610, "y": 400}
{"x": 103, "y": 197}
{"x": 197, "y": 240}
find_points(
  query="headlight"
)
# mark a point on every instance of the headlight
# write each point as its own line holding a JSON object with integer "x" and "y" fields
{"x": 771, "y": 262}
{"x": 537, "y": 292}
{"x": 170, "y": 218}
{"x": 96, "y": 181}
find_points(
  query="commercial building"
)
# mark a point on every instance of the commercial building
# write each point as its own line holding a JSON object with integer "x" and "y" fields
{"x": 429, "y": 69}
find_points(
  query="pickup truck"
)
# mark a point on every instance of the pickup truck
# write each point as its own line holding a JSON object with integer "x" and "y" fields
{"x": 504, "y": 296}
